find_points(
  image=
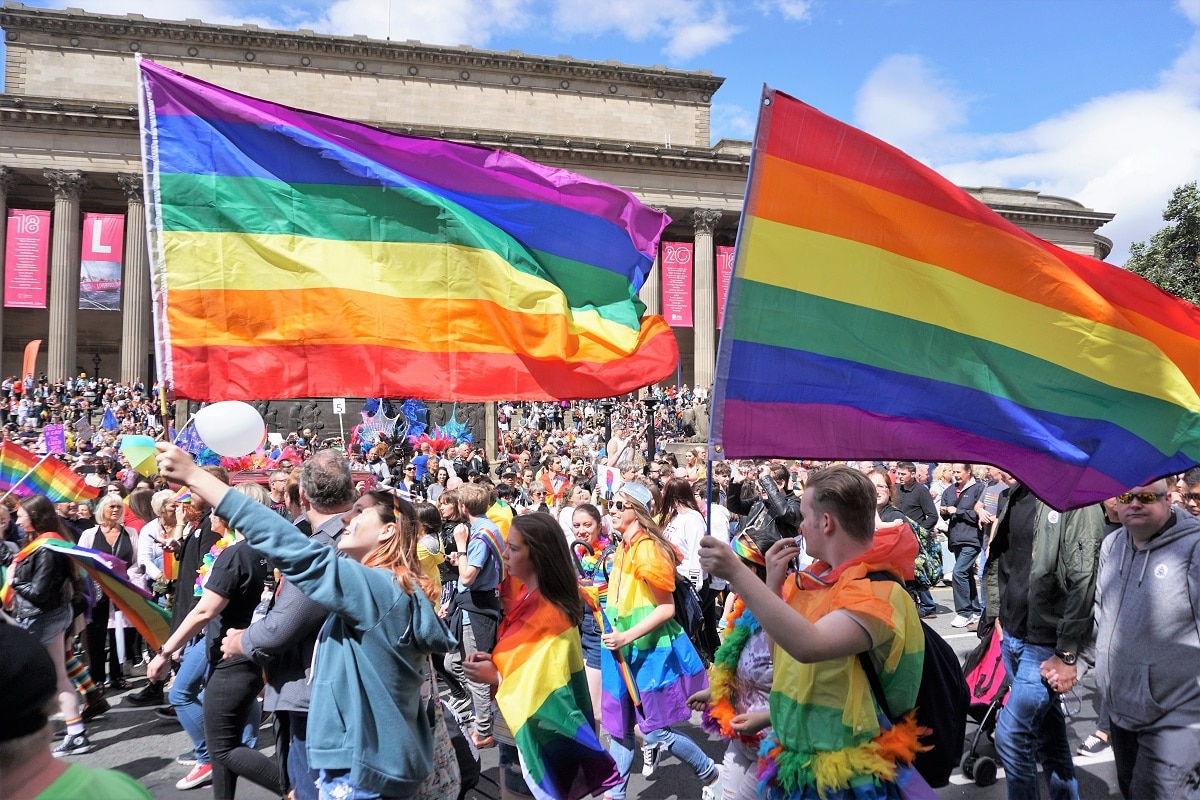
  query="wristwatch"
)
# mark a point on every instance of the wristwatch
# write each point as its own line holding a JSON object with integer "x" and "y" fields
{"x": 1067, "y": 658}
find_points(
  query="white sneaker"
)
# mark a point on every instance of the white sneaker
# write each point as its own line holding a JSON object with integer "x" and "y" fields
{"x": 651, "y": 753}
{"x": 709, "y": 792}
{"x": 961, "y": 621}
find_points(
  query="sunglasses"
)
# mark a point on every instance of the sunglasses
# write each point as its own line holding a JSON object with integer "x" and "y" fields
{"x": 621, "y": 505}
{"x": 1193, "y": 496}
{"x": 1145, "y": 498}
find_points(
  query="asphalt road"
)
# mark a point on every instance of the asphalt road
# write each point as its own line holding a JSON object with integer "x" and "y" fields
{"x": 136, "y": 741}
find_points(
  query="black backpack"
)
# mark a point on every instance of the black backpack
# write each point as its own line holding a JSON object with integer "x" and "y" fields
{"x": 942, "y": 701}
{"x": 690, "y": 615}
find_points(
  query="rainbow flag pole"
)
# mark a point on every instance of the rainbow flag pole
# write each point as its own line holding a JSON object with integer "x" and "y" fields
{"x": 21, "y": 480}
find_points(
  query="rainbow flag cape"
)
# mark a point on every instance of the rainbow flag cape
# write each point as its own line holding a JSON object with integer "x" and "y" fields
{"x": 293, "y": 252}
{"x": 878, "y": 311}
{"x": 49, "y": 477}
{"x": 544, "y": 698}
{"x": 151, "y": 620}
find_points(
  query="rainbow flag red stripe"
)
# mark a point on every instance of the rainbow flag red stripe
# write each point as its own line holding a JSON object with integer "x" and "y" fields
{"x": 294, "y": 252}
{"x": 151, "y": 620}
{"x": 878, "y": 311}
{"x": 49, "y": 477}
{"x": 544, "y": 698}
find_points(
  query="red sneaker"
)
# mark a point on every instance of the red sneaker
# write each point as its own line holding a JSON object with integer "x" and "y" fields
{"x": 200, "y": 775}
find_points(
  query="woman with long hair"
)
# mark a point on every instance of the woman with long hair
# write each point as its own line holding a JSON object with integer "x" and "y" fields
{"x": 43, "y": 585}
{"x": 594, "y": 555}
{"x": 366, "y": 730}
{"x": 663, "y": 662}
{"x": 538, "y": 651}
{"x": 233, "y": 587}
{"x": 453, "y": 518}
{"x": 683, "y": 526}
{"x": 434, "y": 491}
{"x": 113, "y": 538}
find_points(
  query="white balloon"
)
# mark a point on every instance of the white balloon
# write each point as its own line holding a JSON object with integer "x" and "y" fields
{"x": 230, "y": 428}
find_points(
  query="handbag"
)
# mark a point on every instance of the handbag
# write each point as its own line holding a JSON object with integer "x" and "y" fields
{"x": 445, "y": 781}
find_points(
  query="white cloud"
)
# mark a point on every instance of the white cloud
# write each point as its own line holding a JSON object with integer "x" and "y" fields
{"x": 905, "y": 102}
{"x": 730, "y": 121}
{"x": 1122, "y": 153}
{"x": 791, "y": 10}
{"x": 688, "y": 28}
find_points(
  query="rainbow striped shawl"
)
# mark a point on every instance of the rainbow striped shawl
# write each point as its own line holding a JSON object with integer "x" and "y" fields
{"x": 293, "y": 252}
{"x": 544, "y": 698}
{"x": 878, "y": 311}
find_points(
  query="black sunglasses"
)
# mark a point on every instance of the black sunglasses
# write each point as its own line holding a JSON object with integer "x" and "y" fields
{"x": 1145, "y": 498}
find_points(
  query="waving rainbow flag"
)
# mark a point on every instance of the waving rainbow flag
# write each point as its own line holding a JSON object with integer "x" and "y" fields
{"x": 544, "y": 698}
{"x": 23, "y": 474}
{"x": 111, "y": 573}
{"x": 878, "y": 311}
{"x": 294, "y": 252}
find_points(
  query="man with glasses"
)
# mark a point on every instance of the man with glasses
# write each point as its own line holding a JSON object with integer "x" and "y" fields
{"x": 1191, "y": 495}
{"x": 278, "y": 486}
{"x": 1148, "y": 622}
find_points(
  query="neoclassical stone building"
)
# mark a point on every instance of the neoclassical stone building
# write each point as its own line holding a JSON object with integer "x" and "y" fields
{"x": 69, "y": 144}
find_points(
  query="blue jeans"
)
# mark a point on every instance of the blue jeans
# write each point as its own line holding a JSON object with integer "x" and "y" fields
{"x": 303, "y": 777}
{"x": 680, "y": 746}
{"x": 1032, "y": 726}
{"x": 966, "y": 591}
{"x": 926, "y": 600}
{"x": 185, "y": 696}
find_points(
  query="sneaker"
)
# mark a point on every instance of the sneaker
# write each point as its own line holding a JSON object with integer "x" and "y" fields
{"x": 187, "y": 759}
{"x": 709, "y": 792}
{"x": 1093, "y": 745}
{"x": 96, "y": 705}
{"x": 150, "y": 695}
{"x": 651, "y": 753}
{"x": 960, "y": 621}
{"x": 75, "y": 744}
{"x": 200, "y": 775}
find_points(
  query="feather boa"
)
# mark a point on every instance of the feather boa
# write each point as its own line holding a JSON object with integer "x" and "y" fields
{"x": 740, "y": 627}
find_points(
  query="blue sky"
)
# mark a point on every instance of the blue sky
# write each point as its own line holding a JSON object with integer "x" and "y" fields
{"x": 1096, "y": 100}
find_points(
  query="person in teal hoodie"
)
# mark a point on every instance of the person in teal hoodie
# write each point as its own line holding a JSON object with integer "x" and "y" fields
{"x": 366, "y": 733}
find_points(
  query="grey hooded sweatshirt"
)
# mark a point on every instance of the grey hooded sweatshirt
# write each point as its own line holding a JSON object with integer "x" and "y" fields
{"x": 1148, "y": 617}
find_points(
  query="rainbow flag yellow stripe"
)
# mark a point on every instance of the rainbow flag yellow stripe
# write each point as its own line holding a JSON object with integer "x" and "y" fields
{"x": 878, "y": 311}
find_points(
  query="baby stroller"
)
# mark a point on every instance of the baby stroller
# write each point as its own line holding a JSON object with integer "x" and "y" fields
{"x": 987, "y": 683}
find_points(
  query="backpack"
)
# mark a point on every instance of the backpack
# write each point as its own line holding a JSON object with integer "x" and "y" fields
{"x": 690, "y": 616}
{"x": 927, "y": 568}
{"x": 942, "y": 701}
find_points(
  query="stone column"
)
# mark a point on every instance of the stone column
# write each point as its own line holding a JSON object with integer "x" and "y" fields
{"x": 704, "y": 220}
{"x": 8, "y": 179}
{"x": 68, "y": 186}
{"x": 651, "y": 291}
{"x": 136, "y": 326}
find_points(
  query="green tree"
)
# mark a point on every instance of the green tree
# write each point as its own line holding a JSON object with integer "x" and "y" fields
{"x": 1171, "y": 259}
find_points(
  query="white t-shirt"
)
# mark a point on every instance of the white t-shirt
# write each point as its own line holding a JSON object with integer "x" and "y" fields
{"x": 685, "y": 531}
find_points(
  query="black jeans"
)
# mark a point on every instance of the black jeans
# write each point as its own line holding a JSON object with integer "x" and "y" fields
{"x": 228, "y": 698}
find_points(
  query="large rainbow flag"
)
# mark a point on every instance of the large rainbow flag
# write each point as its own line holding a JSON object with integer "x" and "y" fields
{"x": 545, "y": 700}
{"x": 878, "y": 311}
{"x": 23, "y": 473}
{"x": 293, "y": 252}
{"x": 111, "y": 573}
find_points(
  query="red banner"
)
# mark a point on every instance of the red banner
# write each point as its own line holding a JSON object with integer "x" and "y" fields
{"x": 677, "y": 284}
{"x": 724, "y": 274}
{"x": 100, "y": 262}
{"x": 26, "y": 257}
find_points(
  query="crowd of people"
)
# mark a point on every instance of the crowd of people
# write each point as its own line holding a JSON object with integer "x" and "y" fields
{"x": 461, "y": 565}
